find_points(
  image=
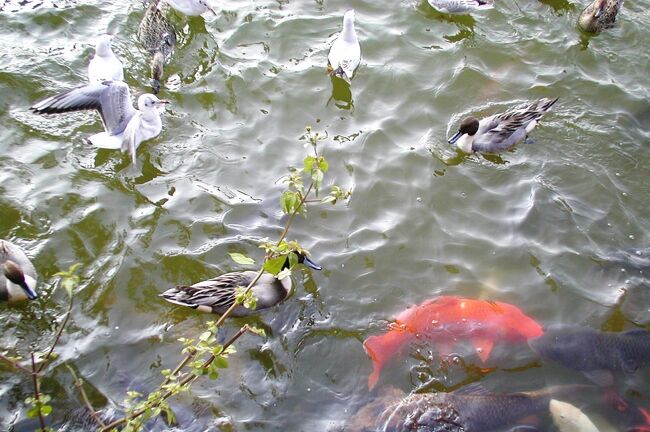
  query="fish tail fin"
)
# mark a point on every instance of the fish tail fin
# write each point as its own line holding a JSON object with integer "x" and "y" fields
{"x": 104, "y": 140}
{"x": 381, "y": 348}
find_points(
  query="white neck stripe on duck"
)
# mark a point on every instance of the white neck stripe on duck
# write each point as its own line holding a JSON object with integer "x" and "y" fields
{"x": 465, "y": 142}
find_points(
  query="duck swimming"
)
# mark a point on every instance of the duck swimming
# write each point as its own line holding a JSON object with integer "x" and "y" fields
{"x": 125, "y": 127}
{"x": 345, "y": 55}
{"x": 460, "y": 6}
{"x": 105, "y": 66}
{"x": 599, "y": 15}
{"x": 157, "y": 36}
{"x": 500, "y": 132}
{"x": 192, "y": 7}
{"x": 218, "y": 294}
{"x": 18, "y": 277}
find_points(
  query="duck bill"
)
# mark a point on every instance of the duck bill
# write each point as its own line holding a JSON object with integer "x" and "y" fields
{"x": 455, "y": 138}
{"x": 31, "y": 294}
{"x": 311, "y": 264}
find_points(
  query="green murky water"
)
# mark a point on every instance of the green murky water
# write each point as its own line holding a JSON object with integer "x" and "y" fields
{"x": 526, "y": 228}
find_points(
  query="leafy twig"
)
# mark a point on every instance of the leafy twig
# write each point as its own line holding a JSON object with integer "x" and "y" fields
{"x": 79, "y": 384}
{"x": 187, "y": 379}
{"x": 37, "y": 394}
{"x": 15, "y": 364}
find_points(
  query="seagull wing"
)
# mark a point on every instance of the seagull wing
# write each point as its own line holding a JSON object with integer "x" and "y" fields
{"x": 110, "y": 98}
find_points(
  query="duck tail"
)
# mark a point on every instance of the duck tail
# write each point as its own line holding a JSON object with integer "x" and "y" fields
{"x": 177, "y": 296}
{"x": 545, "y": 104}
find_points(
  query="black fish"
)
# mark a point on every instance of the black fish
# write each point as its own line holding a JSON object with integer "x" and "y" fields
{"x": 470, "y": 409}
{"x": 593, "y": 352}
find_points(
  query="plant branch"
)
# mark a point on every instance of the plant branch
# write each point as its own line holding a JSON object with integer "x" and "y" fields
{"x": 186, "y": 380}
{"x": 37, "y": 394}
{"x": 57, "y": 337}
{"x": 79, "y": 384}
{"x": 15, "y": 364}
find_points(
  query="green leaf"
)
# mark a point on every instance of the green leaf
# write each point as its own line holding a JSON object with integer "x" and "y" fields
{"x": 323, "y": 165}
{"x": 241, "y": 258}
{"x": 317, "y": 178}
{"x": 258, "y": 331}
{"x": 46, "y": 410}
{"x": 220, "y": 362}
{"x": 293, "y": 259}
{"x": 289, "y": 201}
{"x": 274, "y": 265}
{"x": 328, "y": 199}
{"x": 309, "y": 163}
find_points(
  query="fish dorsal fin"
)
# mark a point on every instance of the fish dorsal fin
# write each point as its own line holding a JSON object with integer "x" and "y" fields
{"x": 474, "y": 389}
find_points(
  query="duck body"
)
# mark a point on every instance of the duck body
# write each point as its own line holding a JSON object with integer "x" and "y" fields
{"x": 216, "y": 295}
{"x": 18, "y": 278}
{"x": 460, "y": 6}
{"x": 125, "y": 127}
{"x": 599, "y": 15}
{"x": 345, "y": 54}
{"x": 158, "y": 36}
{"x": 105, "y": 66}
{"x": 191, "y": 7}
{"x": 500, "y": 132}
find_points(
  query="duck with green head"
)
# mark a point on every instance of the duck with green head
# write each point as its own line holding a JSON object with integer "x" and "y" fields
{"x": 218, "y": 294}
{"x": 18, "y": 277}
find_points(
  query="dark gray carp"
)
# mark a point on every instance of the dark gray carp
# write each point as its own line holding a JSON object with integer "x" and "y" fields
{"x": 593, "y": 352}
{"x": 470, "y": 409}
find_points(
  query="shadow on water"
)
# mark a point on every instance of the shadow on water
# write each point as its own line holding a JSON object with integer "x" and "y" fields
{"x": 465, "y": 23}
{"x": 560, "y": 7}
{"x": 341, "y": 94}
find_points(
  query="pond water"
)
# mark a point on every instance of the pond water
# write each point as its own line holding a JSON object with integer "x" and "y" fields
{"x": 533, "y": 227}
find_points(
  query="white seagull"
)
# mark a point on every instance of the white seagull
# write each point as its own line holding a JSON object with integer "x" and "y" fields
{"x": 460, "y": 6}
{"x": 192, "y": 7}
{"x": 125, "y": 127}
{"x": 500, "y": 132}
{"x": 104, "y": 66}
{"x": 345, "y": 54}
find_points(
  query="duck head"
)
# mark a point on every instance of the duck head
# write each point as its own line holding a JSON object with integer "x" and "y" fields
{"x": 465, "y": 135}
{"x": 302, "y": 259}
{"x": 15, "y": 275}
{"x": 103, "y": 47}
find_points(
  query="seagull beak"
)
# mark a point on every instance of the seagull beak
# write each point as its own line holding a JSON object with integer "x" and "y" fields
{"x": 163, "y": 102}
{"x": 311, "y": 264}
{"x": 455, "y": 138}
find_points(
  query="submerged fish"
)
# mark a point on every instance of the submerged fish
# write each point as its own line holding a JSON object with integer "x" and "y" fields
{"x": 470, "y": 409}
{"x": 569, "y": 418}
{"x": 593, "y": 352}
{"x": 448, "y": 319}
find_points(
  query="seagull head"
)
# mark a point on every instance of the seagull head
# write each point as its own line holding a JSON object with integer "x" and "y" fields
{"x": 148, "y": 102}
{"x": 103, "y": 47}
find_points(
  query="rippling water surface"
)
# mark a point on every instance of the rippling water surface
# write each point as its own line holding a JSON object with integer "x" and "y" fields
{"x": 533, "y": 227}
